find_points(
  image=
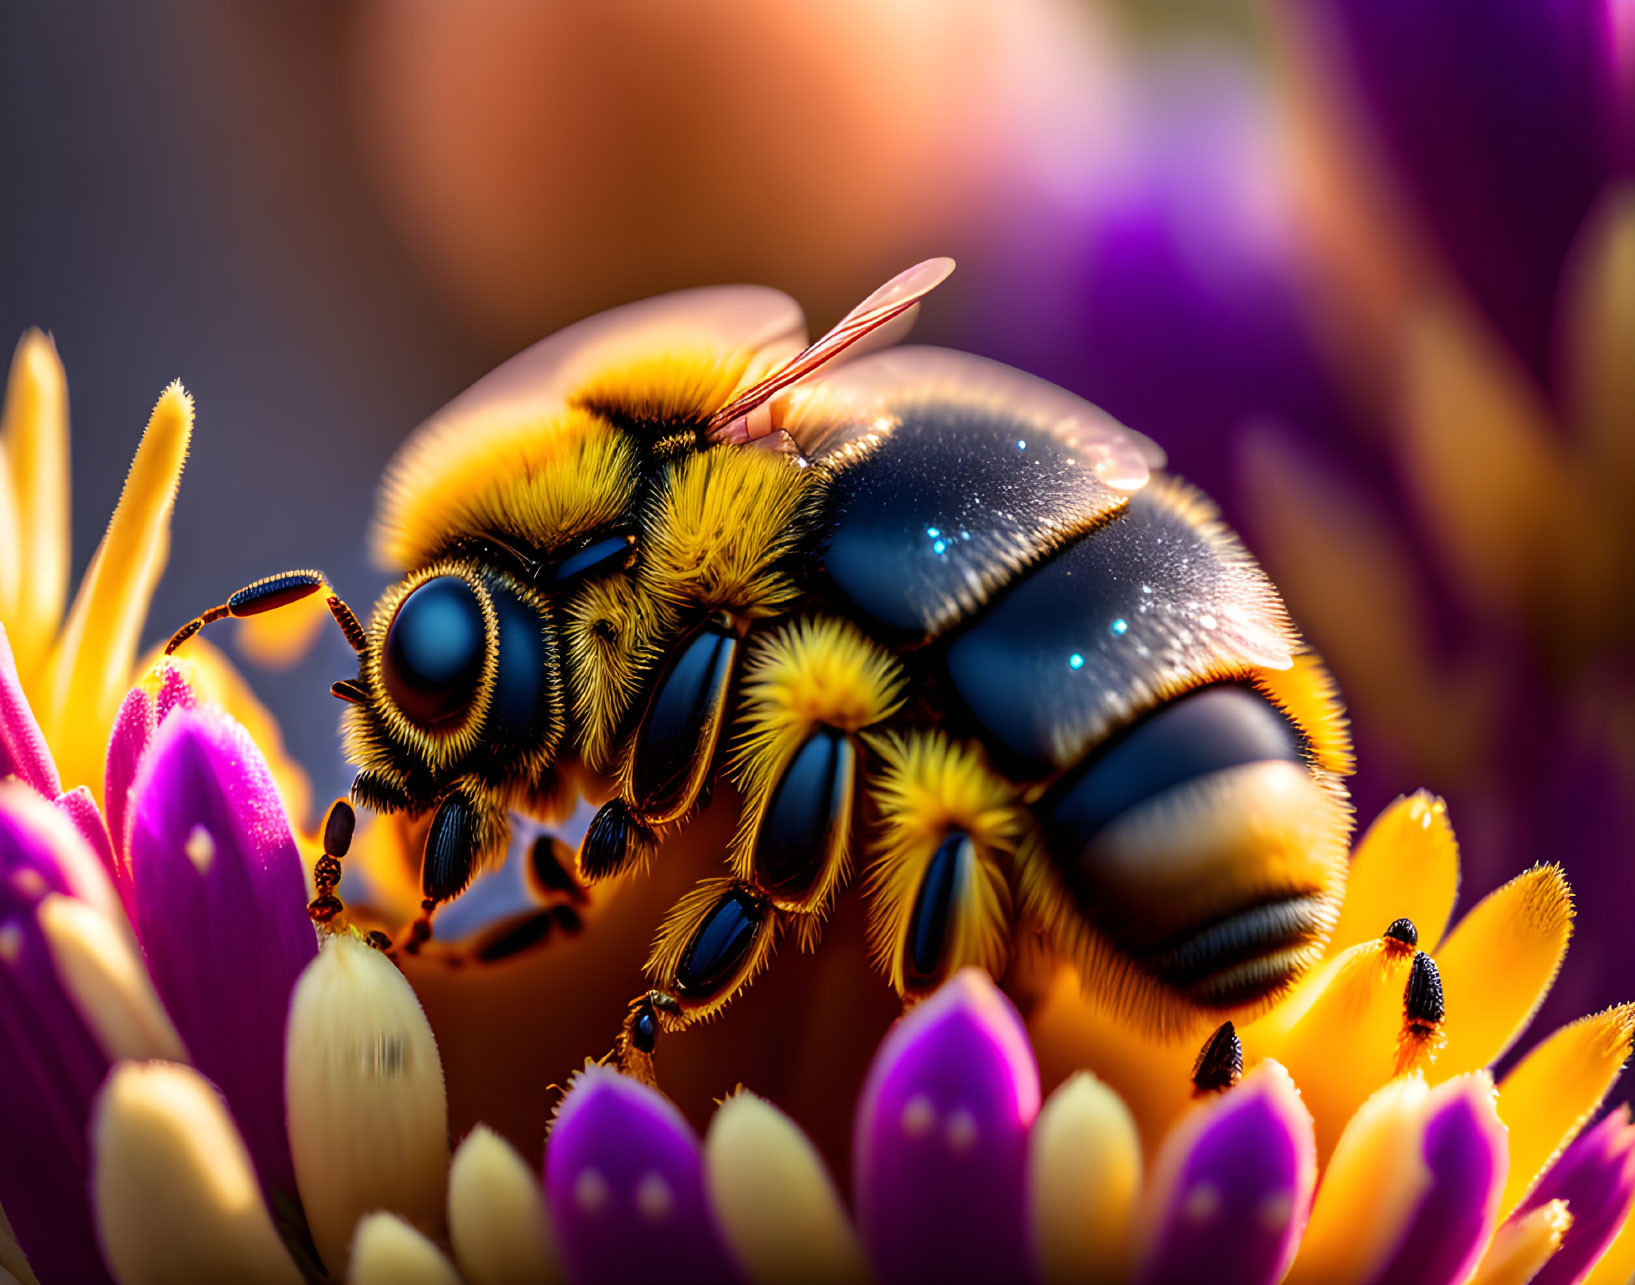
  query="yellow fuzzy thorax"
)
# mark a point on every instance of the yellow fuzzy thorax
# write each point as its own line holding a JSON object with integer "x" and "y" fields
{"x": 611, "y": 638}
{"x": 722, "y": 522}
{"x": 542, "y": 483}
{"x": 928, "y": 787}
{"x": 674, "y": 387}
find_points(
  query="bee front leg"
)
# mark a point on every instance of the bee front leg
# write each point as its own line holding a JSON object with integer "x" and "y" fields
{"x": 467, "y": 829}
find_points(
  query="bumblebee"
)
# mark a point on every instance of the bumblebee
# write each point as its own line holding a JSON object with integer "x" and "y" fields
{"x": 949, "y": 631}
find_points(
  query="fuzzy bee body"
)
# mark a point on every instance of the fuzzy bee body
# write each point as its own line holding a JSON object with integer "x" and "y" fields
{"x": 948, "y": 630}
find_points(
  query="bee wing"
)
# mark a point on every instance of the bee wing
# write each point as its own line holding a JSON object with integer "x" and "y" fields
{"x": 893, "y": 302}
{"x": 837, "y": 414}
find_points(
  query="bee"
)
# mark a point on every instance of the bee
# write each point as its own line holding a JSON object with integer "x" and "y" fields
{"x": 951, "y": 632}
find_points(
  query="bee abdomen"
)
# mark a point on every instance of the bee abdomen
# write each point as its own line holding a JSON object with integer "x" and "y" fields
{"x": 677, "y": 737}
{"x": 807, "y": 818}
{"x": 1159, "y": 598}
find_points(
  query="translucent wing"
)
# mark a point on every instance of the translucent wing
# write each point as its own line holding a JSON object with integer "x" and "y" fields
{"x": 738, "y": 420}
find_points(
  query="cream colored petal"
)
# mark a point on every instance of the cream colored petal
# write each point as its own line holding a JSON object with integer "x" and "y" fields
{"x": 1498, "y": 963}
{"x": 94, "y": 658}
{"x": 1085, "y": 1173}
{"x": 1343, "y": 1042}
{"x": 12, "y": 1260}
{"x": 99, "y": 968}
{"x": 1483, "y": 458}
{"x": 368, "y": 1118}
{"x": 1405, "y": 867}
{"x": 36, "y": 446}
{"x": 496, "y": 1215}
{"x": 1553, "y": 1091}
{"x": 387, "y": 1251}
{"x": 175, "y": 1195}
{"x": 777, "y": 1206}
{"x": 1520, "y": 1248}
{"x": 1374, "y": 1179}
{"x": 1599, "y": 317}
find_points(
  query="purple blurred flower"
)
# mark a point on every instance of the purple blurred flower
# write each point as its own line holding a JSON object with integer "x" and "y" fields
{"x": 1503, "y": 120}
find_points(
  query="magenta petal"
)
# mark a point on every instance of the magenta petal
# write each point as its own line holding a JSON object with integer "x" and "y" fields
{"x": 1596, "y": 1177}
{"x": 51, "y": 1064}
{"x": 218, "y": 900}
{"x": 1238, "y": 1201}
{"x": 1467, "y": 1157}
{"x": 940, "y": 1140}
{"x": 166, "y": 687}
{"x": 624, "y": 1184}
{"x": 81, "y": 810}
{"x": 23, "y": 751}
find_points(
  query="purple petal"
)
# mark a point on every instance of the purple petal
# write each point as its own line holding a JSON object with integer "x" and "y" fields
{"x": 1467, "y": 1155}
{"x": 219, "y": 904}
{"x": 51, "y": 1065}
{"x": 624, "y": 1184}
{"x": 1617, "y": 43}
{"x": 1236, "y": 1183}
{"x": 81, "y": 810}
{"x": 165, "y": 687}
{"x": 940, "y": 1141}
{"x": 1596, "y": 1177}
{"x": 1490, "y": 112}
{"x": 23, "y": 751}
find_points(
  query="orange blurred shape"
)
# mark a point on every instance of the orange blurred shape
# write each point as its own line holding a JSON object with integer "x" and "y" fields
{"x": 546, "y": 160}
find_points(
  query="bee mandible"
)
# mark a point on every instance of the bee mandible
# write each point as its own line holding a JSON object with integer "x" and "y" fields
{"x": 932, "y": 617}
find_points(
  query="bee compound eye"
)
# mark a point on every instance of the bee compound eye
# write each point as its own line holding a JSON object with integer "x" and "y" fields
{"x": 433, "y": 658}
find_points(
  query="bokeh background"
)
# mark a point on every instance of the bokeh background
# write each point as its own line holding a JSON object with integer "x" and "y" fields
{"x": 1366, "y": 268}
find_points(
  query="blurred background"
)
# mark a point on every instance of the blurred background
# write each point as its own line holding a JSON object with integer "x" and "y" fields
{"x": 1365, "y": 268}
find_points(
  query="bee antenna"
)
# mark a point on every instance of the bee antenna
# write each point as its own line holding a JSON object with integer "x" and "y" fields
{"x": 270, "y": 593}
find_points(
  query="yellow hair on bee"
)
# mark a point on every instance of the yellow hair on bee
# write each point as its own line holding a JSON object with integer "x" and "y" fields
{"x": 676, "y": 934}
{"x": 928, "y": 787}
{"x": 542, "y": 483}
{"x": 652, "y": 394}
{"x": 724, "y": 520}
{"x": 807, "y": 674}
{"x": 1310, "y": 699}
{"x": 611, "y": 633}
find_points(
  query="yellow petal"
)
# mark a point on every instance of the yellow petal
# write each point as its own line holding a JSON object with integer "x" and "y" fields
{"x": 1520, "y": 1248}
{"x": 776, "y": 1204}
{"x": 1344, "y": 1044}
{"x": 99, "y": 968}
{"x": 1497, "y": 965}
{"x": 174, "y": 1192}
{"x": 1376, "y": 1179}
{"x": 387, "y": 1251}
{"x": 1551, "y": 1092}
{"x": 36, "y": 445}
{"x": 1085, "y": 1173}
{"x": 1405, "y": 867}
{"x": 1484, "y": 458}
{"x": 496, "y": 1215}
{"x": 1599, "y": 309}
{"x": 368, "y": 1119}
{"x": 92, "y": 664}
{"x": 12, "y": 1261}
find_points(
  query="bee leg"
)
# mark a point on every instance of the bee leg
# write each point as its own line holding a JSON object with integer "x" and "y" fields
{"x": 615, "y": 842}
{"x": 939, "y": 895}
{"x": 635, "y": 1047}
{"x": 716, "y": 941}
{"x": 465, "y": 828}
